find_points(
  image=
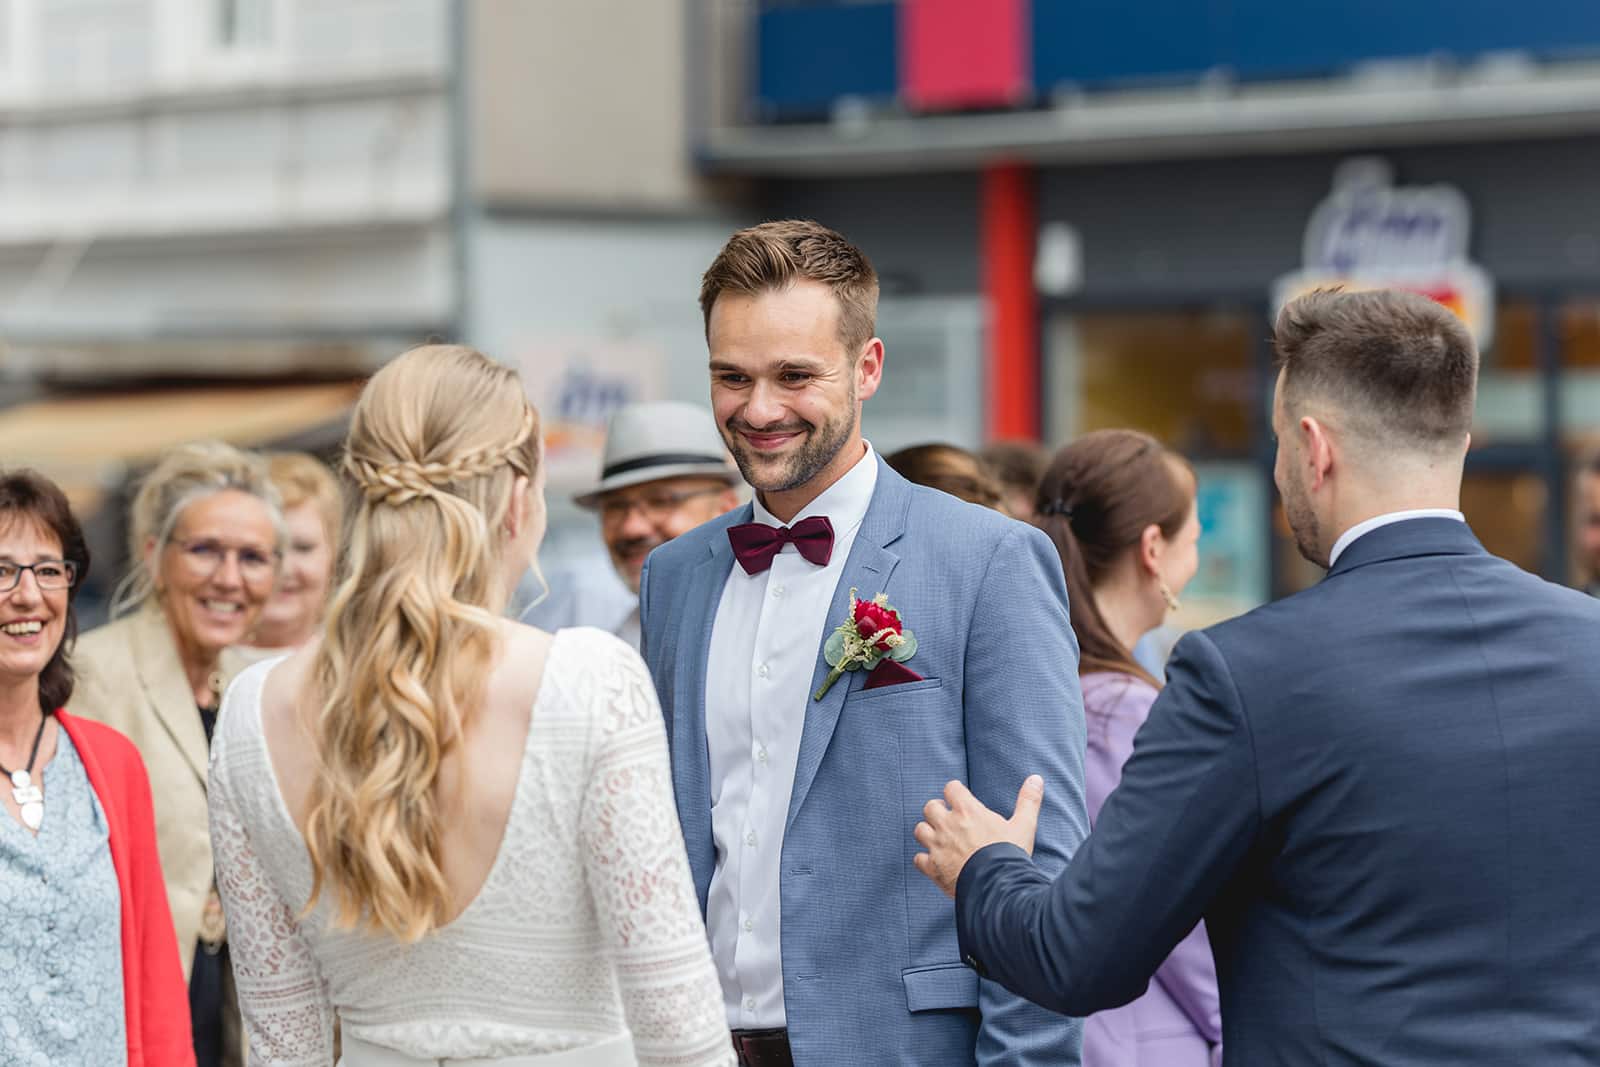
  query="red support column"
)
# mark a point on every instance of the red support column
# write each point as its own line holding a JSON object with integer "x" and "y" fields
{"x": 1009, "y": 224}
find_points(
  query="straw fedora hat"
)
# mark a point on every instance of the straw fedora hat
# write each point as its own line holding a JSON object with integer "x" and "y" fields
{"x": 645, "y": 442}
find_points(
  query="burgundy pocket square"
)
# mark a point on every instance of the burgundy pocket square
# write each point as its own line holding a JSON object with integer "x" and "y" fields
{"x": 889, "y": 672}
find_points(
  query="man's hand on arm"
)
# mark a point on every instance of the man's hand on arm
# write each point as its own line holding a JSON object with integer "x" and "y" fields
{"x": 956, "y": 827}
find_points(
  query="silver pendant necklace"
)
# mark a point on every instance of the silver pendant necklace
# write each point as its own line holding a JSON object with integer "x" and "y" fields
{"x": 23, "y": 790}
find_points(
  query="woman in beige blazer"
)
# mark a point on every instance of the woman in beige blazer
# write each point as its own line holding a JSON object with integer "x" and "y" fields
{"x": 206, "y": 537}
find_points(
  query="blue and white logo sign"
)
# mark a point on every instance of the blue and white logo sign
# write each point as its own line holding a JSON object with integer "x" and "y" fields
{"x": 1371, "y": 234}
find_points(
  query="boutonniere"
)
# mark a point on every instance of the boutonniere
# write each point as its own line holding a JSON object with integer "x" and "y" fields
{"x": 871, "y": 634}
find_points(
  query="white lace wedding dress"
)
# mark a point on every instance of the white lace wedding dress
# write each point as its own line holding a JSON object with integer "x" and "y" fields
{"x": 586, "y": 929}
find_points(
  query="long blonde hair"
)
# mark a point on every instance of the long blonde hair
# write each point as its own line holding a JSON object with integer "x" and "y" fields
{"x": 436, "y": 442}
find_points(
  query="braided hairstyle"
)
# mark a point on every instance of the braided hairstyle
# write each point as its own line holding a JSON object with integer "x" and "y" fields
{"x": 436, "y": 443}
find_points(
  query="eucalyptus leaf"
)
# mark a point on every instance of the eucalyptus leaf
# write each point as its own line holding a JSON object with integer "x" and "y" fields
{"x": 833, "y": 650}
{"x": 906, "y": 649}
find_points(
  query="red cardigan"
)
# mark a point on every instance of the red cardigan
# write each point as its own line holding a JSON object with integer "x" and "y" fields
{"x": 156, "y": 998}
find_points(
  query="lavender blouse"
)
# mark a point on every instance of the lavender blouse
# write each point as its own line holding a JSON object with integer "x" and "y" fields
{"x": 1177, "y": 1022}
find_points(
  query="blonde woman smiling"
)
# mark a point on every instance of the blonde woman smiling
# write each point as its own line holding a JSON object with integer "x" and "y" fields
{"x": 451, "y": 832}
{"x": 205, "y": 534}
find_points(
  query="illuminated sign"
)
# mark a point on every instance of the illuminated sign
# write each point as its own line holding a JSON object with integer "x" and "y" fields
{"x": 1372, "y": 234}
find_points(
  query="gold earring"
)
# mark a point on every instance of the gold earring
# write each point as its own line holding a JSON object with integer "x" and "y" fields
{"x": 1172, "y": 601}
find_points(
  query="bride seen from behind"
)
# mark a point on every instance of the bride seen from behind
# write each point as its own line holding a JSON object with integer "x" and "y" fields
{"x": 452, "y": 831}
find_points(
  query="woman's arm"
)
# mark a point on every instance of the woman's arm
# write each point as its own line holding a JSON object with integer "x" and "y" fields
{"x": 287, "y": 1016}
{"x": 638, "y": 873}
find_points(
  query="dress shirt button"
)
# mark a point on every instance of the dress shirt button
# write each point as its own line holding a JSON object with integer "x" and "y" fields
{"x": 763, "y": 671}
{"x": 777, "y": 590}
{"x": 749, "y": 1003}
{"x": 749, "y": 925}
{"x": 750, "y": 839}
{"x": 761, "y": 755}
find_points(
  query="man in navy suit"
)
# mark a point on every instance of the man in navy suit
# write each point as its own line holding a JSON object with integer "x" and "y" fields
{"x": 797, "y": 784}
{"x": 1382, "y": 794}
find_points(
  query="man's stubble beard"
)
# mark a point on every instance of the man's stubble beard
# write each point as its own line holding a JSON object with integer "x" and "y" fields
{"x": 1303, "y": 523}
{"x": 819, "y": 449}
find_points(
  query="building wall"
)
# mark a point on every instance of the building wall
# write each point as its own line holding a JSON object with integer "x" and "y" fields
{"x": 1217, "y": 226}
{"x": 620, "y": 64}
{"x": 166, "y": 171}
{"x": 921, "y": 233}
{"x": 1235, "y": 224}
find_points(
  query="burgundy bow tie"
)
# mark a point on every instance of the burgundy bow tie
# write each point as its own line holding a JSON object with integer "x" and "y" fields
{"x": 756, "y": 545}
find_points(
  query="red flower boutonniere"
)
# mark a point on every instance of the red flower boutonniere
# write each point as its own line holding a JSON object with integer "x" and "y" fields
{"x": 872, "y": 634}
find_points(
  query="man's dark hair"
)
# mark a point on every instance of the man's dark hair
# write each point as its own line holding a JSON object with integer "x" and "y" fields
{"x": 1396, "y": 369}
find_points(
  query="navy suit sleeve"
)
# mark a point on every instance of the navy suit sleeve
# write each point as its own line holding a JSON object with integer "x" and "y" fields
{"x": 1024, "y": 715}
{"x": 1169, "y": 837}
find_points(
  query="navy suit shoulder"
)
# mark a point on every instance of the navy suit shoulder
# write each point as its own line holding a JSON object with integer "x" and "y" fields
{"x": 1378, "y": 793}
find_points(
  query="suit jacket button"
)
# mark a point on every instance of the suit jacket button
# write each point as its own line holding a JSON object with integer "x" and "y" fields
{"x": 972, "y": 961}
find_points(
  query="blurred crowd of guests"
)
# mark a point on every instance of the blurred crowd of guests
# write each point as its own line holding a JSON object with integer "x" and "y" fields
{"x": 234, "y": 556}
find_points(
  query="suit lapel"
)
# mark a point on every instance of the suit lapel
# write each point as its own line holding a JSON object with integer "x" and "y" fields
{"x": 867, "y": 570}
{"x": 166, "y": 688}
{"x": 691, "y": 765}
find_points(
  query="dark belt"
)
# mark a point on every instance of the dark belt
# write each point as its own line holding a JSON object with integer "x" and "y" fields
{"x": 762, "y": 1048}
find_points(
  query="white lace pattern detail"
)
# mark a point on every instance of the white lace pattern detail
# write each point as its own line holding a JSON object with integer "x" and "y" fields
{"x": 587, "y": 925}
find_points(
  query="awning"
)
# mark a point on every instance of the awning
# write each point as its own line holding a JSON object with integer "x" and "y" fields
{"x": 87, "y": 443}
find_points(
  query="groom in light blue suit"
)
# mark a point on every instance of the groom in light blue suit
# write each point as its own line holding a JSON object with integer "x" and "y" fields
{"x": 797, "y": 795}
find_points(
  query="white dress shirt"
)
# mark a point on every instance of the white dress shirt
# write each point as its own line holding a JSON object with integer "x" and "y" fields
{"x": 764, "y": 643}
{"x": 629, "y": 629}
{"x": 1361, "y": 529}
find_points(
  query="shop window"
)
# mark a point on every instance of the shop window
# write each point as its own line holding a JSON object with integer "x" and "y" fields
{"x": 1510, "y": 392}
{"x": 1185, "y": 376}
{"x": 1507, "y": 511}
{"x": 1579, "y": 334}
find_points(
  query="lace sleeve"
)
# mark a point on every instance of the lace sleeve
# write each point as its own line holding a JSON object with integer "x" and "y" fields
{"x": 638, "y": 874}
{"x": 287, "y": 1017}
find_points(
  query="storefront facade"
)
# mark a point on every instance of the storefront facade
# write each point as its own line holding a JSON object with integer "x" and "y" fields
{"x": 1158, "y": 284}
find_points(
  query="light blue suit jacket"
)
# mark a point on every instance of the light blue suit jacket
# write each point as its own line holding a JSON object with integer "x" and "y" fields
{"x": 871, "y": 969}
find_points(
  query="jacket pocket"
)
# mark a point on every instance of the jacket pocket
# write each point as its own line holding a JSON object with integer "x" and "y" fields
{"x": 904, "y": 689}
{"x": 947, "y": 985}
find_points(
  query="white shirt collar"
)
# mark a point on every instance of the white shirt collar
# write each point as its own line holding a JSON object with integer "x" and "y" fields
{"x": 1361, "y": 529}
{"x": 844, "y": 502}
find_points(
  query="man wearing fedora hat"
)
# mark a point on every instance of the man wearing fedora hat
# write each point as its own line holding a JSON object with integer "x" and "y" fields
{"x": 664, "y": 472}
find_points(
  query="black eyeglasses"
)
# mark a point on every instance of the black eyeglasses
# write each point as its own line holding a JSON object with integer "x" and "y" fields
{"x": 47, "y": 574}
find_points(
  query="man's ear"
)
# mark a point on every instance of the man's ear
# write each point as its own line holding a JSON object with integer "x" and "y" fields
{"x": 1321, "y": 452}
{"x": 869, "y": 368}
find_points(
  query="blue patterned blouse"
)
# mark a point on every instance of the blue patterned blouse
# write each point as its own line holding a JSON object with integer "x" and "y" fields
{"x": 61, "y": 938}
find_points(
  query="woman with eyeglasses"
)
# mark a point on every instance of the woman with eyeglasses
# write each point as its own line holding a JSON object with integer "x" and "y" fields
{"x": 205, "y": 537}
{"x": 91, "y": 968}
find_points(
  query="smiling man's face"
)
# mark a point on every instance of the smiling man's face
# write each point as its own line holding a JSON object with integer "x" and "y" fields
{"x": 786, "y": 392}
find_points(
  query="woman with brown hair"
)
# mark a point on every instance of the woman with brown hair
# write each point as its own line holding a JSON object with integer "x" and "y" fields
{"x": 92, "y": 970}
{"x": 951, "y": 470}
{"x": 1121, "y": 511}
